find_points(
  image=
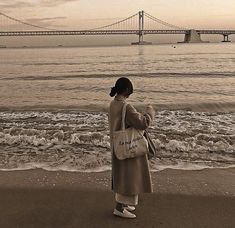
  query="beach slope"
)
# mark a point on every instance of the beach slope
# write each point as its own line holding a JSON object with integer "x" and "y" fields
{"x": 39, "y": 198}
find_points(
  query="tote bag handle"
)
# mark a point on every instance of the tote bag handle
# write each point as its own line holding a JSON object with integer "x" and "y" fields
{"x": 123, "y": 116}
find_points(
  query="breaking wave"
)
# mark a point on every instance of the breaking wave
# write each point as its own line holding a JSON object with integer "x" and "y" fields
{"x": 79, "y": 141}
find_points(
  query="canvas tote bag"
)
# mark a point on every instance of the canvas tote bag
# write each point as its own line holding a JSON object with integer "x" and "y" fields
{"x": 129, "y": 143}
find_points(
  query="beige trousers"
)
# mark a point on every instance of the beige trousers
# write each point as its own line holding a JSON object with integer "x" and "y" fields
{"x": 128, "y": 200}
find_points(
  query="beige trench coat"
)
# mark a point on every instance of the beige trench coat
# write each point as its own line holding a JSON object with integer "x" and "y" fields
{"x": 130, "y": 176}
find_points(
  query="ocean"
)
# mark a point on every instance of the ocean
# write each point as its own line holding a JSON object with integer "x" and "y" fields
{"x": 54, "y": 102}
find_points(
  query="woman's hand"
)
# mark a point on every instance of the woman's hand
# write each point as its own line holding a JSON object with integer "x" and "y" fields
{"x": 150, "y": 110}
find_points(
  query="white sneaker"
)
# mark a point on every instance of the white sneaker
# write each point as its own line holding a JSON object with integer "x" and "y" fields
{"x": 124, "y": 214}
{"x": 129, "y": 208}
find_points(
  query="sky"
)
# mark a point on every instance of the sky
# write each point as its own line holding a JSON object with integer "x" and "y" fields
{"x": 87, "y": 14}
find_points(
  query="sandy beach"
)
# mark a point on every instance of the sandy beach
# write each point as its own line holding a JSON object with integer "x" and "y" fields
{"x": 39, "y": 198}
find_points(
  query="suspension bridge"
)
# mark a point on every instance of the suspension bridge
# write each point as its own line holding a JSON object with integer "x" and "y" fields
{"x": 139, "y": 24}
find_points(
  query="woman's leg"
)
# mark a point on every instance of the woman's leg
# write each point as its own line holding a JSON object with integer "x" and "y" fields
{"x": 120, "y": 207}
{"x": 126, "y": 199}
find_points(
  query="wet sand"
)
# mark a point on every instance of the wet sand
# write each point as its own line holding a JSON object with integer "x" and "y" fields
{"x": 39, "y": 198}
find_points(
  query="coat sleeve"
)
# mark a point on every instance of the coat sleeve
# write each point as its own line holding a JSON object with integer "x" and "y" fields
{"x": 136, "y": 119}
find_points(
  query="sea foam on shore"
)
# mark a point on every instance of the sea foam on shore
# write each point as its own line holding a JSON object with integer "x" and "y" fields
{"x": 79, "y": 141}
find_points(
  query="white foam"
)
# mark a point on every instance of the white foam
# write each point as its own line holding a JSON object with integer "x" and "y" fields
{"x": 80, "y": 141}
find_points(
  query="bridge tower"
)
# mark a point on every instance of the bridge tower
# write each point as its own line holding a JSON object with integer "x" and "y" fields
{"x": 226, "y": 39}
{"x": 192, "y": 37}
{"x": 141, "y": 30}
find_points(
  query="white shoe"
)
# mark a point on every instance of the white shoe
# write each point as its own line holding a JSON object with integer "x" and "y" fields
{"x": 129, "y": 208}
{"x": 124, "y": 214}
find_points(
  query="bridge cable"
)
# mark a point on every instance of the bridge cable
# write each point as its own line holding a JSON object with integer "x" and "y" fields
{"x": 116, "y": 23}
{"x": 162, "y": 22}
{"x": 25, "y": 23}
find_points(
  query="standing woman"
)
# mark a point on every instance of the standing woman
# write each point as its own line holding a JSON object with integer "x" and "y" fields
{"x": 131, "y": 176}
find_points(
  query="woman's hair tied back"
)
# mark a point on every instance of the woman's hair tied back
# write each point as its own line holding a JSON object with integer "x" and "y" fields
{"x": 121, "y": 85}
{"x": 113, "y": 91}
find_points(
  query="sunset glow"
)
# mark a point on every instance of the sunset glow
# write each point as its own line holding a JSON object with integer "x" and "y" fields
{"x": 67, "y": 14}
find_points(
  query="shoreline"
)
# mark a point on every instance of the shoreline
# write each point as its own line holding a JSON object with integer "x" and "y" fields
{"x": 192, "y": 199}
{"x": 216, "y": 107}
{"x": 108, "y": 169}
{"x": 218, "y": 179}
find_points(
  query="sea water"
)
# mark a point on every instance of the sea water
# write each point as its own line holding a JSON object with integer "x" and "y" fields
{"x": 54, "y": 102}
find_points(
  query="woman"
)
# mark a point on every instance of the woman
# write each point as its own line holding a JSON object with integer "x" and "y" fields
{"x": 131, "y": 176}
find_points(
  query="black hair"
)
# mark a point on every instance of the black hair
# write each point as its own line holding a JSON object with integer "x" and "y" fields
{"x": 120, "y": 86}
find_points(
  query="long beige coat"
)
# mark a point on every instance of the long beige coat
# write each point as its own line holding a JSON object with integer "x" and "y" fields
{"x": 130, "y": 176}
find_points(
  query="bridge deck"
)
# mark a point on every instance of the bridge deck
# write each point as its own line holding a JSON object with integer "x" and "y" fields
{"x": 110, "y": 32}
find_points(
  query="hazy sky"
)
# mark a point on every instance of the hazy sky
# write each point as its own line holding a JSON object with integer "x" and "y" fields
{"x": 89, "y": 13}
